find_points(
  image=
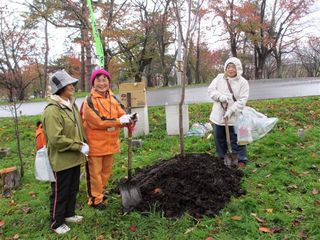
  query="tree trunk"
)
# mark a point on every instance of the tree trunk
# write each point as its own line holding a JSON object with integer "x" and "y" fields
{"x": 83, "y": 67}
{"x": 197, "y": 71}
{"x": 87, "y": 45}
{"x": 165, "y": 75}
{"x": 233, "y": 44}
{"x": 17, "y": 133}
{"x": 88, "y": 64}
{"x": 46, "y": 56}
{"x": 233, "y": 41}
{"x": 279, "y": 66}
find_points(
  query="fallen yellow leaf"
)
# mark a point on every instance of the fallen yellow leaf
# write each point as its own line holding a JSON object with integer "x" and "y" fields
{"x": 236, "y": 218}
{"x": 264, "y": 229}
{"x": 269, "y": 210}
{"x": 315, "y": 191}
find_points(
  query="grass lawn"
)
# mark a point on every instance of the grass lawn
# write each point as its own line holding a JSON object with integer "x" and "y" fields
{"x": 282, "y": 181}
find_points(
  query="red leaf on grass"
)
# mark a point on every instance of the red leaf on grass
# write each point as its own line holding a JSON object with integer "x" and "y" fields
{"x": 265, "y": 230}
{"x": 2, "y": 223}
{"x": 209, "y": 238}
{"x": 157, "y": 190}
{"x": 133, "y": 228}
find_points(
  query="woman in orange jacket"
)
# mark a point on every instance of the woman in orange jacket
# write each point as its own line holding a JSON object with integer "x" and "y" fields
{"x": 102, "y": 116}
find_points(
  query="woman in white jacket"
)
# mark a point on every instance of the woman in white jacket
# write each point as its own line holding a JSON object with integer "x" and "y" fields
{"x": 233, "y": 98}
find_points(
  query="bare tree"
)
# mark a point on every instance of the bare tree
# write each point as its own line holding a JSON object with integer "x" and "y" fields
{"x": 68, "y": 14}
{"x": 191, "y": 20}
{"x": 17, "y": 49}
{"x": 309, "y": 55}
{"x": 228, "y": 12}
{"x": 268, "y": 24}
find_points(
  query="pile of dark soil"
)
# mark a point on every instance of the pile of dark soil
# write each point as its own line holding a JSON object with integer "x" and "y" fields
{"x": 199, "y": 184}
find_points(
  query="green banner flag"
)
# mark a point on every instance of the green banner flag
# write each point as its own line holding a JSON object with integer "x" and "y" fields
{"x": 97, "y": 39}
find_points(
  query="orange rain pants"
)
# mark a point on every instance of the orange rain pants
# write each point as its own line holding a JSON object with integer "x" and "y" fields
{"x": 98, "y": 172}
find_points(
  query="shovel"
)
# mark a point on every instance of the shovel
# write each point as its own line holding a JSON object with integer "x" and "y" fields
{"x": 130, "y": 193}
{"x": 230, "y": 159}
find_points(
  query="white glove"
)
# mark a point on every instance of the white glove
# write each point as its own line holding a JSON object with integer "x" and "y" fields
{"x": 134, "y": 117}
{"x": 125, "y": 119}
{"x": 224, "y": 98}
{"x": 85, "y": 149}
{"x": 228, "y": 114}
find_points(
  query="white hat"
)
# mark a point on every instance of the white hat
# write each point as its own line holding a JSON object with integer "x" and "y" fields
{"x": 59, "y": 80}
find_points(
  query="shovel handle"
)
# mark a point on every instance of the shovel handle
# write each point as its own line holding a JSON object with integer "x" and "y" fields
{"x": 130, "y": 129}
{"x": 129, "y": 153}
{"x": 228, "y": 135}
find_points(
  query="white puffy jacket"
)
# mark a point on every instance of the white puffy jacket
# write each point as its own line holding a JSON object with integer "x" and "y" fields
{"x": 219, "y": 86}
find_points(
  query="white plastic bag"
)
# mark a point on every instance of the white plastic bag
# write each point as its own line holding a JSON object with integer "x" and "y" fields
{"x": 42, "y": 166}
{"x": 252, "y": 125}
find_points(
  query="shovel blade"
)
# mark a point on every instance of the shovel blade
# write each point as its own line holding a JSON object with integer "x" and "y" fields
{"x": 130, "y": 196}
{"x": 231, "y": 160}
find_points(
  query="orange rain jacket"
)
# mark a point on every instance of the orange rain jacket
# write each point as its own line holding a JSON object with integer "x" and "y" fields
{"x": 102, "y": 135}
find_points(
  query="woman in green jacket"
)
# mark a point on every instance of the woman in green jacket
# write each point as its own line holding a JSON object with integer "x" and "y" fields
{"x": 65, "y": 140}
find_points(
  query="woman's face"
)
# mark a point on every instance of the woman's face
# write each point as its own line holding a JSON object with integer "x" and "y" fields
{"x": 68, "y": 91}
{"x": 231, "y": 70}
{"x": 101, "y": 84}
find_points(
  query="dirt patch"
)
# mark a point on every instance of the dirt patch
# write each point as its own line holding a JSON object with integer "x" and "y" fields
{"x": 199, "y": 184}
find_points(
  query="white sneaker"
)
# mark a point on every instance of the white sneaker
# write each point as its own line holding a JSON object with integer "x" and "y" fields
{"x": 62, "y": 229}
{"x": 74, "y": 219}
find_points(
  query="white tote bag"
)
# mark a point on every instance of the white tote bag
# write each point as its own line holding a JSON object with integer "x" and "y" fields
{"x": 42, "y": 167}
{"x": 252, "y": 125}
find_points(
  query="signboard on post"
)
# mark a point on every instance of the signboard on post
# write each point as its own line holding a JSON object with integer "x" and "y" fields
{"x": 138, "y": 94}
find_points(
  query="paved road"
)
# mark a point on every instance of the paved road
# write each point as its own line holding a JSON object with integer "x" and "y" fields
{"x": 260, "y": 89}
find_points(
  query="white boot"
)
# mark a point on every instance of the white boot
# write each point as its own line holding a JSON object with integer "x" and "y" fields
{"x": 62, "y": 229}
{"x": 74, "y": 219}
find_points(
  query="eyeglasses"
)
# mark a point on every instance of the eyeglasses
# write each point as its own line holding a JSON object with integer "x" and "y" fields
{"x": 231, "y": 67}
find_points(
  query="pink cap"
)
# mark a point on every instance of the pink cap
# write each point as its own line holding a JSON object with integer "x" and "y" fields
{"x": 97, "y": 72}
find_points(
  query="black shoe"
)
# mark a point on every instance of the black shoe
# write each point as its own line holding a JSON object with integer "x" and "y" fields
{"x": 99, "y": 206}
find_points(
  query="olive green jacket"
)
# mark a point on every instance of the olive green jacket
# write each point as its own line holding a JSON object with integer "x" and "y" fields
{"x": 64, "y": 134}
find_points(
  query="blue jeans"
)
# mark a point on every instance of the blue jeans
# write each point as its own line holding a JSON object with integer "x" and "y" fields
{"x": 221, "y": 143}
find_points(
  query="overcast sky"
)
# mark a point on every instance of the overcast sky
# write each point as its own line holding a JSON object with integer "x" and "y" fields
{"x": 58, "y": 36}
